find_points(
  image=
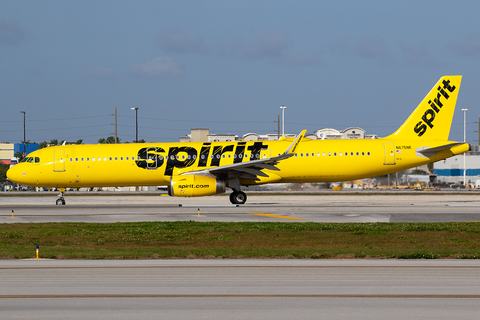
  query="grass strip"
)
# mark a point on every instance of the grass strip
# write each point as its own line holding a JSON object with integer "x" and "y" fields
{"x": 190, "y": 239}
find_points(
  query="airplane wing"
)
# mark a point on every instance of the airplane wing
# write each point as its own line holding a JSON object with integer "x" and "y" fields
{"x": 250, "y": 170}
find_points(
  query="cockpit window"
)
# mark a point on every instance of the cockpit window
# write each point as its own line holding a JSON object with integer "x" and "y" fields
{"x": 31, "y": 159}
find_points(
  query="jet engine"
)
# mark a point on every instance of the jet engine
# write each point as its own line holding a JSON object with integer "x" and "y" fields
{"x": 195, "y": 186}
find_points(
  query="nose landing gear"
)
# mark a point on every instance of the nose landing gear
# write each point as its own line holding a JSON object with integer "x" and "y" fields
{"x": 61, "y": 199}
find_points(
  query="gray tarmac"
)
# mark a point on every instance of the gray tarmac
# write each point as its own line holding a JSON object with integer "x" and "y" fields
{"x": 328, "y": 207}
{"x": 239, "y": 289}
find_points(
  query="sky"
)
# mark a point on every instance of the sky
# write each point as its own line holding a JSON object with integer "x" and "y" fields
{"x": 229, "y": 66}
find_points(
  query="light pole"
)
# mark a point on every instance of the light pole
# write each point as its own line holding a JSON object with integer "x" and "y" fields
{"x": 283, "y": 119}
{"x": 464, "y": 140}
{"x": 24, "y": 135}
{"x": 136, "y": 124}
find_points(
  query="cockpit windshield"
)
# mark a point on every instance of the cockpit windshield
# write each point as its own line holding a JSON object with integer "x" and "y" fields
{"x": 31, "y": 160}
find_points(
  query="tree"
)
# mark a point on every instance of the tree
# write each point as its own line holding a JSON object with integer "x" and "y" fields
{"x": 19, "y": 155}
{"x": 54, "y": 142}
{"x": 79, "y": 141}
{"x": 43, "y": 144}
{"x": 109, "y": 140}
{"x": 3, "y": 171}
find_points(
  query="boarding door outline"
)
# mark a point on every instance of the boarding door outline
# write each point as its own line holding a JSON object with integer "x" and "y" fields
{"x": 389, "y": 148}
{"x": 59, "y": 160}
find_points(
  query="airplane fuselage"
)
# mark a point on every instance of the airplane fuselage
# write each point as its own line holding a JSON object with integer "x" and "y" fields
{"x": 155, "y": 163}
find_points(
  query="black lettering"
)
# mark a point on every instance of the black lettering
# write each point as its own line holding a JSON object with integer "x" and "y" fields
{"x": 428, "y": 117}
{"x": 420, "y": 128}
{"x": 217, "y": 154}
{"x": 443, "y": 92}
{"x": 174, "y": 160}
{"x": 239, "y": 152}
{"x": 149, "y": 158}
{"x": 437, "y": 100}
{"x": 446, "y": 85}
{"x": 434, "y": 107}
{"x": 255, "y": 149}
{"x": 202, "y": 161}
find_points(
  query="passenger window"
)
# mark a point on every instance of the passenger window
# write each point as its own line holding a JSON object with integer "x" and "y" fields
{"x": 71, "y": 159}
{"x": 346, "y": 153}
{"x": 110, "y": 158}
{"x": 127, "y": 158}
{"x": 324, "y": 154}
{"x": 357, "y": 153}
{"x": 76, "y": 159}
{"x": 88, "y": 159}
{"x": 121, "y": 158}
{"x": 363, "y": 153}
{"x": 368, "y": 153}
{"x": 318, "y": 154}
{"x": 37, "y": 160}
{"x": 93, "y": 159}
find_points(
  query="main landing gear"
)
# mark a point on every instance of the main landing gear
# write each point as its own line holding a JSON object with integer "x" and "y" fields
{"x": 61, "y": 198}
{"x": 238, "y": 197}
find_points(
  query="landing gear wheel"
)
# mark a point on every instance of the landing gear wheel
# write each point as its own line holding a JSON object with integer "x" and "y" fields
{"x": 238, "y": 197}
{"x": 61, "y": 198}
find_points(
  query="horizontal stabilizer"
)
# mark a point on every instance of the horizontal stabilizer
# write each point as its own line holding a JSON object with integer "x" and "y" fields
{"x": 429, "y": 152}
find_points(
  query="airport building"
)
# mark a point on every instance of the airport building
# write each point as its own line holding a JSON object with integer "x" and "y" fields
{"x": 451, "y": 170}
{"x": 8, "y": 150}
{"x": 203, "y": 135}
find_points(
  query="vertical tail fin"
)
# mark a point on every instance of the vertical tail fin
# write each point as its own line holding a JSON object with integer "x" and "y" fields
{"x": 432, "y": 118}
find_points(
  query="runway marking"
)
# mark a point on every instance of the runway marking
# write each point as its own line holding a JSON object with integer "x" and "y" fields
{"x": 226, "y": 267}
{"x": 397, "y": 296}
{"x": 276, "y": 216}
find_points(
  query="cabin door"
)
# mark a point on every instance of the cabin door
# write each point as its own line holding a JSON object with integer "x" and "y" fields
{"x": 265, "y": 154}
{"x": 59, "y": 160}
{"x": 389, "y": 148}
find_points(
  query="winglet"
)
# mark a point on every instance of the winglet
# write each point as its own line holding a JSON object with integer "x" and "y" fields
{"x": 296, "y": 142}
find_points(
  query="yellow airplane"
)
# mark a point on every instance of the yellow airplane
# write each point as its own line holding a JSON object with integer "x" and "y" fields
{"x": 200, "y": 169}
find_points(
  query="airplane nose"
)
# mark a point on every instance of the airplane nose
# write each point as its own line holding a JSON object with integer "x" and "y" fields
{"x": 14, "y": 174}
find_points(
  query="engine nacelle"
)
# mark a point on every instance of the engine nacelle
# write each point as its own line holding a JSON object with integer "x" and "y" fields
{"x": 195, "y": 186}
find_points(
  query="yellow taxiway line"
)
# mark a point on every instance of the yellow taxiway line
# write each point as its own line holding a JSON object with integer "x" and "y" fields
{"x": 276, "y": 216}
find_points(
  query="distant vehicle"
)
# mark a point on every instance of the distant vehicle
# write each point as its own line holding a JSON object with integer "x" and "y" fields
{"x": 13, "y": 161}
{"x": 198, "y": 169}
{"x": 414, "y": 178}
